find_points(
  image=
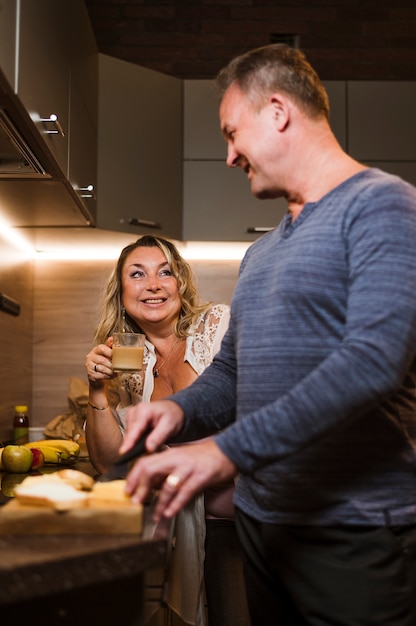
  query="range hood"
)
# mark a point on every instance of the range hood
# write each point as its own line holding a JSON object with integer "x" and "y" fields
{"x": 34, "y": 191}
{"x": 16, "y": 157}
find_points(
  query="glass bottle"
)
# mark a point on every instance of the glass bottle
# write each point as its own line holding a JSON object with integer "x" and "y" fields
{"x": 21, "y": 425}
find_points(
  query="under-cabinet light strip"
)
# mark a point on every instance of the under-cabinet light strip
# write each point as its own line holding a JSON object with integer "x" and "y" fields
{"x": 191, "y": 250}
{"x": 221, "y": 251}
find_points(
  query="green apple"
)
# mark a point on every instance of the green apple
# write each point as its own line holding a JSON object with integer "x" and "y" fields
{"x": 17, "y": 459}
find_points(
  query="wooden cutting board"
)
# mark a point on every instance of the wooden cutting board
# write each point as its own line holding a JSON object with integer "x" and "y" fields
{"x": 25, "y": 519}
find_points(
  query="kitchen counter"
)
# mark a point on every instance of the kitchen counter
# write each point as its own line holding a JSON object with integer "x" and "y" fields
{"x": 80, "y": 579}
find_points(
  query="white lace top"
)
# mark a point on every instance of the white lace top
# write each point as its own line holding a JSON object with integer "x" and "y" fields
{"x": 202, "y": 343}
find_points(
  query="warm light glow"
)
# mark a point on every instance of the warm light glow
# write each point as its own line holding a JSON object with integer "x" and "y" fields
{"x": 213, "y": 250}
{"x": 95, "y": 250}
{"x": 92, "y": 253}
{"x": 14, "y": 236}
{"x": 192, "y": 251}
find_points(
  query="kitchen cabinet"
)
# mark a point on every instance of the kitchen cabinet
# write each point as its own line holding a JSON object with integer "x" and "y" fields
{"x": 381, "y": 125}
{"x": 34, "y": 191}
{"x": 219, "y": 206}
{"x": 44, "y": 71}
{"x": 83, "y": 107}
{"x": 202, "y": 137}
{"x": 41, "y": 203}
{"x": 51, "y": 97}
{"x": 83, "y": 142}
{"x": 139, "y": 187}
{"x": 381, "y": 120}
{"x": 217, "y": 203}
{"x": 8, "y": 40}
{"x": 337, "y": 95}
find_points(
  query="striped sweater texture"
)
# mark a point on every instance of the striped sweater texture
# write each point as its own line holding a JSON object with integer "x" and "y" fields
{"x": 314, "y": 388}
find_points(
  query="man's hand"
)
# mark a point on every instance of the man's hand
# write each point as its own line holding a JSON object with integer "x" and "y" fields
{"x": 180, "y": 472}
{"x": 164, "y": 417}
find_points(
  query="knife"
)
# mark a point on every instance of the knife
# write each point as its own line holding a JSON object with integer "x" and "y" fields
{"x": 121, "y": 466}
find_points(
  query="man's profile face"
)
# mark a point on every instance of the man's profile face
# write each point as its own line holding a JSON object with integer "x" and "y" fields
{"x": 252, "y": 140}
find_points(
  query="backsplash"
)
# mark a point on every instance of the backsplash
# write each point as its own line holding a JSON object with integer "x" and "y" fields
{"x": 16, "y": 281}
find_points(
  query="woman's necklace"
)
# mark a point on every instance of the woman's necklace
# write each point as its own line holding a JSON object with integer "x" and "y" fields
{"x": 157, "y": 369}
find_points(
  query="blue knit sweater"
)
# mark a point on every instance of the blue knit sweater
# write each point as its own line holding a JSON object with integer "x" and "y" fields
{"x": 314, "y": 387}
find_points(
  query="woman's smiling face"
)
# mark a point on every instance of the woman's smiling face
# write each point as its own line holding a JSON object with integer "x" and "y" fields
{"x": 150, "y": 291}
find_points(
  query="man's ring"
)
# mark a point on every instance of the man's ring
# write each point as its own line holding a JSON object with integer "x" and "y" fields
{"x": 173, "y": 481}
{"x": 95, "y": 368}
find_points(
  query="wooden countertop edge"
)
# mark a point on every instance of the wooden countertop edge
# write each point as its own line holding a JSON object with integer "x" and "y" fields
{"x": 34, "y": 566}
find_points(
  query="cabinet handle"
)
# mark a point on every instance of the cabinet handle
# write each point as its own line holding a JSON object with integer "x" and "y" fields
{"x": 139, "y": 222}
{"x": 53, "y": 119}
{"x": 259, "y": 229}
{"x": 87, "y": 192}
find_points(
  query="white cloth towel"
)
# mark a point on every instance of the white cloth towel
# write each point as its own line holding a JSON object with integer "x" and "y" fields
{"x": 186, "y": 594}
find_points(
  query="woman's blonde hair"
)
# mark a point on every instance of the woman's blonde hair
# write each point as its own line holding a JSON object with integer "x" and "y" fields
{"x": 115, "y": 319}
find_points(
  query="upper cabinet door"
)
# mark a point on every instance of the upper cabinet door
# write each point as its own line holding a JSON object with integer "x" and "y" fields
{"x": 82, "y": 166}
{"x": 44, "y": 71}
{"x": 83, "y": 125}
{"x": 202, "y": 137}
{"x": 381, "y": 120}
{"x": 337, "y": 94}
{"x": 139, "y": 150}
{"x": 218, "y": 204}
{"x": 8, "y": 40}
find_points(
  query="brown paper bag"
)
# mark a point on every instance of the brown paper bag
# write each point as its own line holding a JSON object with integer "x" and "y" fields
{"x": 64, "y": 426}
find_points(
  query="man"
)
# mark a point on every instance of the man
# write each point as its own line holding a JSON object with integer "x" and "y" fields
{"x": 313, "y": 389}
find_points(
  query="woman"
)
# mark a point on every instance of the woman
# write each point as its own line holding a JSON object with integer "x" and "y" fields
{"x": 152, "y": 291}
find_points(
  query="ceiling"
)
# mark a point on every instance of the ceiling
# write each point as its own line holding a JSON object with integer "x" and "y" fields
{"x": 194, "y": 39}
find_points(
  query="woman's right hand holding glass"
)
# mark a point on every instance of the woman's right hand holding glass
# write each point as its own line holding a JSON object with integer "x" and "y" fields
{"x": 98, "y": 362}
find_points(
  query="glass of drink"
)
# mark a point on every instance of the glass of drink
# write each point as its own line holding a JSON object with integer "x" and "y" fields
{"x": 128, "y": 352}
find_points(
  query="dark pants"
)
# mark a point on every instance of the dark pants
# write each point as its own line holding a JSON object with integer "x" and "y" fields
{"x": 329, "y": 576}
{"x": 224, "y": 579}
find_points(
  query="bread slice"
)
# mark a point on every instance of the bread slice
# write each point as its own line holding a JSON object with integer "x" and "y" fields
{"x": 66, "y": 490}
{"x": 50, "y": 492}
{"x": 75, "y": 478}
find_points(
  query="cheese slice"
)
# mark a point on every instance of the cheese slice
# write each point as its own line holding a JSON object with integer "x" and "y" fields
{"x": 112, "y": 492}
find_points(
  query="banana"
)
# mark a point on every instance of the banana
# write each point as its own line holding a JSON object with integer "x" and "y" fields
{"x": 61, "y": 444}
{"x": 54, "y": 455}
{"x": 56, "y": 450}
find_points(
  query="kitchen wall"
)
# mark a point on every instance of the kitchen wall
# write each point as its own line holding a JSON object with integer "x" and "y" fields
{"x": 16, "y": 333}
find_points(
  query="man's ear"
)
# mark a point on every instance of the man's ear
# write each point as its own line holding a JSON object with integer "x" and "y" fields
{"x": 281, "y": 110}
